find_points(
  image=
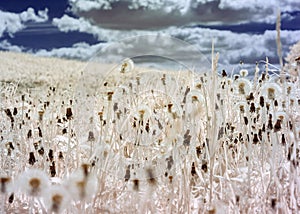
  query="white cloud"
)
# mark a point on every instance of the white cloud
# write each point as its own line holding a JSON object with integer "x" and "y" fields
{"x": 234, "y": 47}
{"x": 82, "y": 51}
{"x": 13, "y": 22}
{"x": 67, "y": 23}
{"x": 86, "y": 5}
{"x": 30, "y": 15}
{"x": 149, "y": 14}
{"x": 5, "y": 45}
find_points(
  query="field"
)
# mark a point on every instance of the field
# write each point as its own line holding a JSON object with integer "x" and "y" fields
{"x": 134, "y": 140}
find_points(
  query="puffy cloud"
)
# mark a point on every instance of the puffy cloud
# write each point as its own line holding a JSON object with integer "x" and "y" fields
{"x": 5, "y": 45}
{"x": 13, "y": 22}
{"x": 232, "y": 46}
{"x": 82, "y": 51}
{"x": 235, "y": 47}
{"x": 67, "y": 23}
{"x": 86, "y": 5}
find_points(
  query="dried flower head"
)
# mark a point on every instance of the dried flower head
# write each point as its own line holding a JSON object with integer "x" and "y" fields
{"x": 244, "y": 72}
{"x": 127, "y": 65}
{"x": 34, "y": 182}
{"x": 5, "y": 184}
{"x": 56, "y": 198}
{"x": 243, "y": 86}
{"x": 271, "y": 90}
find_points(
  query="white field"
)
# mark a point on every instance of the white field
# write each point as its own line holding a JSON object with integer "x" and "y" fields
{"x": 83, "y": 138}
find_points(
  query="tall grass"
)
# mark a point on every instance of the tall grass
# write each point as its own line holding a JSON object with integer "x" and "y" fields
{"x": 146, "y": 141}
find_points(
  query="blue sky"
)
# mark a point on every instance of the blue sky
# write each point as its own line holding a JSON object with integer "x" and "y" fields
{"x": 242, "y": 30}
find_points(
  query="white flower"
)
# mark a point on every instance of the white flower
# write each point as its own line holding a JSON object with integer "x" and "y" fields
{"x": 242, "y": 86}
{"x": 126, "y": 66}
{"x": 281, "y": 115}
{"x": 271, "y": 90}
{"x": 56, "y": 198}
{"x": 242, "y": 107}
{"x": 244, "y": 72}
{"x": 143, "y": 112}
{"x": 5, "y": 185}
{"x": 82, "y": 187}
{"x": 34, "y": 182}
{"x": 195, "y": 103}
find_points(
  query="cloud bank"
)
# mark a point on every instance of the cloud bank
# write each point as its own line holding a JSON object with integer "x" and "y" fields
{"x": 11, "y": 23}
{"x": 154, "y": 14}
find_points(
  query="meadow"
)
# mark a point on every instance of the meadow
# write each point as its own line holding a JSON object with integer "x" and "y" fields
{"x": 138, "y": 140}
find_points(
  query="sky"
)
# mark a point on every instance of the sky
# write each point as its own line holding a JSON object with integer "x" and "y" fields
{"x": 242, "y": 30}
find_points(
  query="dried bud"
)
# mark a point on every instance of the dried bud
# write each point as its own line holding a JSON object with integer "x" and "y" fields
{"x": 31, "y": 160}
{"x": 69, "y": 113}
{"x": 136, "y": 184}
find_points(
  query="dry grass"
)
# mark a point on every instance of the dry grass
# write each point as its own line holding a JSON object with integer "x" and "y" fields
{"x": 146, "y": 141}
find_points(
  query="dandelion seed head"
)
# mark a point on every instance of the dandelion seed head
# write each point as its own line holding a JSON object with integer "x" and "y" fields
{"x": 244, "y": 72}
{"x": 127, "y": 66}
{"x": 271, "y": 91}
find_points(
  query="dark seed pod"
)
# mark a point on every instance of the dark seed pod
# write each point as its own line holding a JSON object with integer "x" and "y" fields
{"x": 69, "y": 113}
{"x": 41, "y": 151}
{"x": 193, "y": 169}
{"x": 50, "y": 155}
{"x": 224, "y": 74}
{"x": 31, "y": 160}
{"x": 11, "y": 198}
{"x": 127, "y": 174}
{"x": 277, "y": 126}
{"x": 151, "y": 177}
{"x": 52, "y": 169}
{"x": 255, "y": 139}
{"x": 135, "y": 185}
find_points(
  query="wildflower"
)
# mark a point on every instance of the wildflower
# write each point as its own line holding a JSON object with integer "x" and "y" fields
{"x": 255, "y": 139}
{"x": 277, "y": 126}
{"x": 150, "y": 175}
{"x": 127, "y": 65}
{"x": 224, "y": 74}
{"x": 250, "y": 97}
{"x": 187, "y": 138}
{"x": 29, "y": 134}
{"x": 271, "y": 90}
{"x": 143, "y": 113}
{"x": 41, "y": 151}
{"x": 50, "y": 155}
{"x": 193, "y": 169}
{"x": 52, "y": 169}
{"x": 127, "y": 174}
{"x": 34, "y": 182}
{"x": 5, "y": 184}
{"x": 170, "y": 162}
{"x": 241, "y": 106}
{"x": 80, "y": 186}
{"x": 273, "y": 203}
{"x": 243, "y": 86}
{"x": 204, "y": 166}
{"x": 56, "y": 198}
{"x": 109, "y": 95}
{"x": 31, "y": 160}
{"x": 60, "y": 155}
{"x": 252, "y": 107}
{"x": 244, "y": 72}
{"x": 69, "y": 113}
{"x": 135, "y": 185}
{"x": 11, "y": 198}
